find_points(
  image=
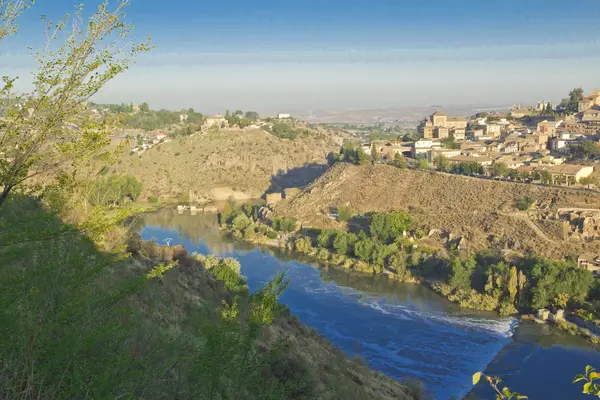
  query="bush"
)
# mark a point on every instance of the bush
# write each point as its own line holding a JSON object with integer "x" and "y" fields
{"x": 272, "y": 235}
{"x": 386, "y": 227}
{"x": 284, "y": 224}
{"x": 345, "y": 213}
{"x": 153, "y": 199}
{"x": 524, "y": 202}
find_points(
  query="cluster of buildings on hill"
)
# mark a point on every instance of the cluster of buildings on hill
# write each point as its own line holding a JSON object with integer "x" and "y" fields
{"x": 524, "y": 140}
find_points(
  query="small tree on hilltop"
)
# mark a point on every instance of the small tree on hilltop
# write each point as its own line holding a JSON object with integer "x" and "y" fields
{"x": 399, "y": 161}
{"x": 423, "y": 164}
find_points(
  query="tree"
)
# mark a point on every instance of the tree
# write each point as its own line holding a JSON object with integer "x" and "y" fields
{"x": 340, "y": 243}
{"x": 374, "y": 154}
{"x": 386, "y": 227}
{"x": 144, "y": 107}
{"x": 423, "y": 164}
{"x": 524, "y": 202}
{"x": 400, "y": 161}
{"x": 363, "y": 249}
{"x": 588, "y": 180}
{"x": 252, "y": 115}
{"x": 345, "y": 213}
{"x": 52, "y": 133}
{"x": 546, "y": 177}
{"x": 499, "y": 169}
{"x": 571, "y": 103}
{"x": 441, "y": 162}
{"x": 513, "y": 285}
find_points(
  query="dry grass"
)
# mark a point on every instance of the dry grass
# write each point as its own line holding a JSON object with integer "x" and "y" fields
{"x": 216, "y": 165}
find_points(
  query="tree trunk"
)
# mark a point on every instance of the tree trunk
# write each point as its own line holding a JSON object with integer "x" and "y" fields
{"x": 4, "y": 194}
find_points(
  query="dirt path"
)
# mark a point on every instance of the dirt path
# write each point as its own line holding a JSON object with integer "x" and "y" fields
{"x": 525, "y": 218}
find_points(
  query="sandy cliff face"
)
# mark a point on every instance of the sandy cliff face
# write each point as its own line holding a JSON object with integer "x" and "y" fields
{"x": 482, "y": 211}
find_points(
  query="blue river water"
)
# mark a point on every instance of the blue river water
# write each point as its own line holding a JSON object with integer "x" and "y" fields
{"x": 403, "y": 330}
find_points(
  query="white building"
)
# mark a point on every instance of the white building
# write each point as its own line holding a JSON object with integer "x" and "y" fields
{"x": 283, "y": 116}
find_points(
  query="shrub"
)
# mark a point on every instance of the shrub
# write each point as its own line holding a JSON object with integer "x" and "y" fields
{"x": 524, "y": 202}
{"x": 272, "y": 235}
{"x": 284, "y": 224}
{"x": 345, "y": 213}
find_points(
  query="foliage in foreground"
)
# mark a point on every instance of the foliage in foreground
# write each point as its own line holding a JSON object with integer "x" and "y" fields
{"x": 589, "y": 387}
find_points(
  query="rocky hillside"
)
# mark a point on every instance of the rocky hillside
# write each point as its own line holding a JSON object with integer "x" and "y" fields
{"x": 483, "y": 212}
{"x": 242, "y": 163}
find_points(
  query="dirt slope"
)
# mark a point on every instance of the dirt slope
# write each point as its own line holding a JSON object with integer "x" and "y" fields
{"x": 482, "y": 211}
{"x": 230, "y": 162}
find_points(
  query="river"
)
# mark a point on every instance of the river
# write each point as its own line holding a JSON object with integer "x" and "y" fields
{"x": 402, "y": 330}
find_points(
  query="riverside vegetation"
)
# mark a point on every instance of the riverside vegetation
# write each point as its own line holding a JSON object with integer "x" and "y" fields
{"x": 388, "y": 245}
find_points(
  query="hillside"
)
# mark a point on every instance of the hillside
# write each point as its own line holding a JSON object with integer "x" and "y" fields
{"x": 215, "y": 165}
{"x": 483, "y": 212}
{"x": 77, "y": 320}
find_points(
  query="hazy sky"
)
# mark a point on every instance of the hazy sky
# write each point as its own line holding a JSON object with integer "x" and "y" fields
{"x": 279, "y": 55}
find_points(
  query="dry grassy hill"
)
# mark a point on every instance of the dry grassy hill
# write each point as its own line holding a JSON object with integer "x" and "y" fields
{"x": 243, "y": 163}
{"x": 483, "y": 212}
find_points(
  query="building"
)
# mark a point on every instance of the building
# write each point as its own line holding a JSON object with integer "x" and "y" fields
{"x": 483, "y": 161}
{"x": 520, "y": 112}
{"x": 570, "y": 173}
{"x": 448, "y": 153}
{"x": 492, "y": 130}
{"x": 590, "y": 262}
{"x": 590, "y": 101}
{"x": 440, "y": 126}
{"x": 548, "y": 127}
{"x": 591, "y": 115}
{"x": 283, "y": 116}
{"x": 422, "y": 147}
{"x": 215, "y": 120}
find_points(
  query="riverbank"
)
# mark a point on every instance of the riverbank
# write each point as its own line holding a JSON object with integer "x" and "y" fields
{"x": 408, "y": 270}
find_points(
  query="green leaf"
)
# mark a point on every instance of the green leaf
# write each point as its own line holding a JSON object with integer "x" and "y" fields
{"x": 593, "y": 375}
{"x": 588, "y": 369}
{"x": 587, "y": 387}
{"x": 476, "y": 378}
{"x": 506, "y": 392}
{"x": 519, "y": 397}
{"x": 578, "y": 377}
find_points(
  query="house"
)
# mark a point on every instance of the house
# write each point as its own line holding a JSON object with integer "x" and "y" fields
{"x": 513, "y": 162}
{"x": 440, "y": 126}
{"x": 215, "y": 120}
{"x": 548, "y": 127}
{"x": 156, "y": 137}
{"x": 492, "y": 130}
{"x": 570, "y": 172}
{"x": 448, "y": 153}
{"x": 589, "y": 101}
{"x": 283, "y": 116}
{"x": 511, "y": 147}
{"x": 560, "y": 144}
{"x": 590, "y": 262}
{"x": 483, "y": 161}
{"x": 422, "y": 147}
{"x": 591, "y": 115}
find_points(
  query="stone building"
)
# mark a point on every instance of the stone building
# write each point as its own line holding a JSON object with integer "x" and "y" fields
{"x": 590, "y": 101}
{"x": 441, "y": 126}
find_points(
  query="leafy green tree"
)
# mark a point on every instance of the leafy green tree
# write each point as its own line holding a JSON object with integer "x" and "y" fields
{"x": 441, "y": 162}
{"x": 340, "y": 243}
{"x": 499, "y": 169}
{"x": 513, "y": 285}
{"x": 325, "y": 238}
{"x": 400, "y": 161}
{"x": 423, "y": 164}
{"x": 386, "y": 227}
{"x": 524, "y": 203}
{"x": 546, "y": 177}
{"x": 144, "y": 107}
{"x": 252, "y": 115}
{"x": 363, "y": 249}
{"x": 52, "y": 133}
{"x": 345, "y": 213}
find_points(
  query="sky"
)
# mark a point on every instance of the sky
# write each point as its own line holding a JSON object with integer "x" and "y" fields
{"x": 277, "y": 56}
